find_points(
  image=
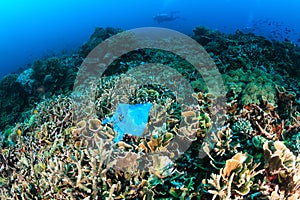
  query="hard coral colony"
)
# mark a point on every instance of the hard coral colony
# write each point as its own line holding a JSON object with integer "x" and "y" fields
{"x": 253, "y": 155}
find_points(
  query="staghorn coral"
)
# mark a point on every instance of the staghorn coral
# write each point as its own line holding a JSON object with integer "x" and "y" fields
{"x": 73, "y": 166}
{"x": 59, "y": 154}
{"x": 79, "y": 171}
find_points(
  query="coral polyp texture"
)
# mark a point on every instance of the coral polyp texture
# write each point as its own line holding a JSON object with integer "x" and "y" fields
{"x": 130, "y": 144}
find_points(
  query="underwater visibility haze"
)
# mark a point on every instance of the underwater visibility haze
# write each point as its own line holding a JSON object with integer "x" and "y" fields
{"x": 141, "y": 99}
{"x": 34, "y": 29}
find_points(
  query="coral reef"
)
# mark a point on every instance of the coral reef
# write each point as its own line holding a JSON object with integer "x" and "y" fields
{"x": 235, "y": 179}
{"x": 251, "y": 86}
{"x": 247, "y": 51}
{"x": 13, "y": 99}
{"x": 249, "y": 151}
{"x": 96, "y": 38}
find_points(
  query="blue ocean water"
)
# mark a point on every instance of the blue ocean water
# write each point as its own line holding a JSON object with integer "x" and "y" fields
{"x": 35, "y": 29}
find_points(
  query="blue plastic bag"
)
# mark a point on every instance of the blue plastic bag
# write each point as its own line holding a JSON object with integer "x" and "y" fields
{"x": 131, "y": 119}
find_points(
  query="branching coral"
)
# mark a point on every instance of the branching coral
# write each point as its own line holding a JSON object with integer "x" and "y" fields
{"x": 62, "y": 150}
{"x": 235, "y": 178}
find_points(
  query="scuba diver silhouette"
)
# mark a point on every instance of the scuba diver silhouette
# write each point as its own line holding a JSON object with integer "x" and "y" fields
{"x": 166, "y": 17}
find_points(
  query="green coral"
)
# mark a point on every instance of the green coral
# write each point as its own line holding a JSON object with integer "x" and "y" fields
{"x": 258, "y": 141}
{"x": 242, "y": 126}
{"x": 255, "y": 91}
{"x": 252, "y": 86}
